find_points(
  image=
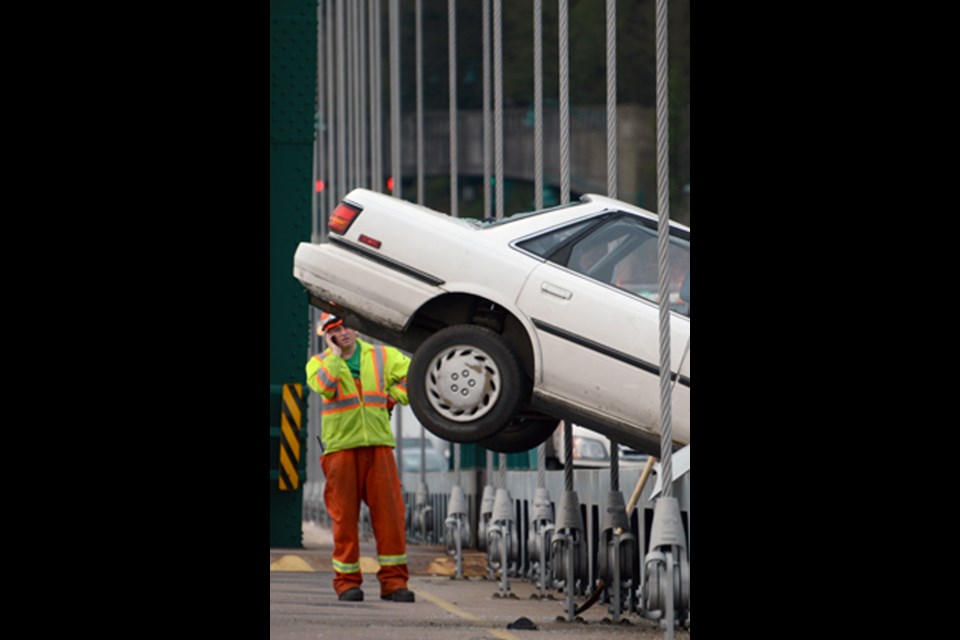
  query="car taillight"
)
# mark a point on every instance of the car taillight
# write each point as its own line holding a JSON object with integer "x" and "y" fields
{"x": 343, "y": 216}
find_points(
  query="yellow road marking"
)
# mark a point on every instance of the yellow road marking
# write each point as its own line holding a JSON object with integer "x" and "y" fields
{"x": 457, "y": 611}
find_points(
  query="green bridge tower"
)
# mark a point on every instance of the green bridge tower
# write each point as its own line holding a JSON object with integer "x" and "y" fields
{"x": 293, "y": 84}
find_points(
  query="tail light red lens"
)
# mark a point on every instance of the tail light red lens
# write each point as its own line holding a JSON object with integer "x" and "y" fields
{"x": 343, "y": 216}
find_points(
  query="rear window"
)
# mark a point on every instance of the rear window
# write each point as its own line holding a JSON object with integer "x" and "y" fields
{"x": 493, "y": 222}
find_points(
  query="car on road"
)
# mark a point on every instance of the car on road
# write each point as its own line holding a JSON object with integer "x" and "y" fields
{"x": 589, "y": 449}
{"x": 515, "y": 323}
{"x": 433, "y": 460}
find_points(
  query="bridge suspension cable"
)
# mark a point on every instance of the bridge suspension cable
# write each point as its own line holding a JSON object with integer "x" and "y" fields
{"x": 452, "y": 77}
{"x": 498, "y": 101}
{"x": 564, "y": 106}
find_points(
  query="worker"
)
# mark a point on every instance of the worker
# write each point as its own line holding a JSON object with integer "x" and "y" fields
{"x": 357, "y": 381}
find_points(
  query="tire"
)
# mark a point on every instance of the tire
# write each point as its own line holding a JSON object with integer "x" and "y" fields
{"x": 520, "y": 435}
{"x": 465, "y": 408}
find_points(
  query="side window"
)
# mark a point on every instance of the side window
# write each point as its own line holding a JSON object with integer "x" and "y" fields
{"x": 597, "y": 254}
{"x": 623, "y": 253}
{"x": 619, "y": 251}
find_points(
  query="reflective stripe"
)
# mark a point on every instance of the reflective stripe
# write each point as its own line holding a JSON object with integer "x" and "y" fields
{"x": 343, "y": 567}
{"x": 379, "y": 357}
{"x": 335, "y": 406}
{"x": 323, "y": 376}
{"x": 389, "y": 561}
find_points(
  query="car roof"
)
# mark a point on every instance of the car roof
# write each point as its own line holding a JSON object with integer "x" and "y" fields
{"x": 523, "y": 223}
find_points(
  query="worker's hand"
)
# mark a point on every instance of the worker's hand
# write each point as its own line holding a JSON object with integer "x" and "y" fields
{"x": 334, "y": 347}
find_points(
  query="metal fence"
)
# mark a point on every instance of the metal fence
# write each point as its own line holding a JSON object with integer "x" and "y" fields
{"x": 591, "y": 485}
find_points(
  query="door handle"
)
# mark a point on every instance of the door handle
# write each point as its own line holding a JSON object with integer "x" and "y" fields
{"x": 554, "y": 290}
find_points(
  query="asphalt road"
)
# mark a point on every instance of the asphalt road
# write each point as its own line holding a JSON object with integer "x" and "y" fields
{"x": 303, "y": 604}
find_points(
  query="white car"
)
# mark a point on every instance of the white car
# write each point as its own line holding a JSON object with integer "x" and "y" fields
{"x": 516, "y": 323}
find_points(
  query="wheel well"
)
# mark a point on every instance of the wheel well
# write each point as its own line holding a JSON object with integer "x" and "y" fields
{"x": 461, "y": 308}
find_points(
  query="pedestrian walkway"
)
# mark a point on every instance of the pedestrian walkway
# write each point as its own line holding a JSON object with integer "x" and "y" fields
{"x": 304, "y": 605}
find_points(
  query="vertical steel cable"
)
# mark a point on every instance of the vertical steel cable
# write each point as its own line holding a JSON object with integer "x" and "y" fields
{"x": 542, "y": 465}
{"x": 456, "y": 464}
{"x": 612, "y": 173}
{"x": 498, "y": 104}
{"x": 350, "y": 53}
{"x": 502, "y": 471}
{"x": 423, "y": 455}
{"x": 318, "y": 231}
{"x": 341, "y": 107}
{"x": 489, "y": 467}
{"x": 395, "y": 96}
{"x": 538, "y": 165}
{"x": 376, "y": 115}
{"x": 399, "y": 448}
{"x": 361, "y": 76}
{"x": 452, "y": 73}
{"x": 357, "y": 100}
{"x": 419, "y": 65}
{"x": 357, "y": 126}
{"x": 564, "y": 107}
{"x": 371, "y": 75}
{"x": 343, "y": 51}
{"x": 331, "y": 188}
{"x": 567, "y": 455}
{"x": 614, "y": 466}
{"x": 663, "y": 235}
{"x": 538, "y": 103}
{"x": 486, "y": 109}
{"x": 612, "y": 98}
{"x": 318, "y": 226}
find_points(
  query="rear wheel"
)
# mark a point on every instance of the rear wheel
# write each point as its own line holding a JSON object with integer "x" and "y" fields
{"x": 465, "y": 383}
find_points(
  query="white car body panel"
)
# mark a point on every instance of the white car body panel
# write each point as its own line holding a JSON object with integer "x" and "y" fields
{"x": 439, "y": 245}
{"x": 594, "y": 347}
{"x": 617, "y": 321}
{"x": 361, "y": 282}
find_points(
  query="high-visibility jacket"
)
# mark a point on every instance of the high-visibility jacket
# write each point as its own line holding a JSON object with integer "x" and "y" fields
{"x": 353, "y": 416}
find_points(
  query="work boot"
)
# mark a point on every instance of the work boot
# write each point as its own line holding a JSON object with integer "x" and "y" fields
{"x": 400, "y": 595}
{"x": 353, "y": 594}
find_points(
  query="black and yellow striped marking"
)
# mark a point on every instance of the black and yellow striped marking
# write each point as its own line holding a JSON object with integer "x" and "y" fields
{"x": 291, "y": 421}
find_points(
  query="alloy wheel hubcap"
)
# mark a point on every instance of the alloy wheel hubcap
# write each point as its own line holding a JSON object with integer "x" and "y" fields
{"x": 463, "y": 383}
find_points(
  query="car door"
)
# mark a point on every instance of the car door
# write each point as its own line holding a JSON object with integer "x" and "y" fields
{"x": 594, "y": 303}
